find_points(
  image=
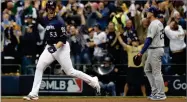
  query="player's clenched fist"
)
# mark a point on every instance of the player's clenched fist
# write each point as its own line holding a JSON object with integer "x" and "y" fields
{"x": 52, "y": 49}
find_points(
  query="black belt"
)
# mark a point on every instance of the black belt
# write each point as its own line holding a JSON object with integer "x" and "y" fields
{"x": 156, "y": 47}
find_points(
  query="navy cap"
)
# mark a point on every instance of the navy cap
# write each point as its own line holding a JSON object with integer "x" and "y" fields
{"x": 152, "y": 9}
{"x": 97, "y": 25}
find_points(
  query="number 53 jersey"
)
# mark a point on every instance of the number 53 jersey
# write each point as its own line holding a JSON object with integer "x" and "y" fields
{"x": 156, "y": 32}
{"x": 55, "y": 30}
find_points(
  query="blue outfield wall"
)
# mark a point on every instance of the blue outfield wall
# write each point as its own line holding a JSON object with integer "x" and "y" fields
{"x": 65, "y": 85}
{"x": 10, "y": 85}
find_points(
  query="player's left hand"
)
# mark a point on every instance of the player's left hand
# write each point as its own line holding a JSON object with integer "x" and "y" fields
{"x": 52, "y": 49}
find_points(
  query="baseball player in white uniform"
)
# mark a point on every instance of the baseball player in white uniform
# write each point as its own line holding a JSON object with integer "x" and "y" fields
{"x": 57, "y": 49}
{"x": 155, "y": 44}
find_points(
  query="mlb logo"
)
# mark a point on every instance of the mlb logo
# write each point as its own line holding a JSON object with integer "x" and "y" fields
{"x": 74, "y": 85}
{"x": 61, "y": 85}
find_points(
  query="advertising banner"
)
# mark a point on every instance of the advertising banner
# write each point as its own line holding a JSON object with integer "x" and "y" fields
{"x": 175, "y": 85}
{"x": 57, "y": 85}
{"x": 65, "y": 85}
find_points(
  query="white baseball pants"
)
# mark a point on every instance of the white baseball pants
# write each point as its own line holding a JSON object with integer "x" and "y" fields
{"x": 62, "y": 55}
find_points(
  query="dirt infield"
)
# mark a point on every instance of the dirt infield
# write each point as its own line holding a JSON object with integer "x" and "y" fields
{"x": 111, "y": 99}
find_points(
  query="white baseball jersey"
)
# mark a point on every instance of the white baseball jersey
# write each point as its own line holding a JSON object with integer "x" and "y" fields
{"x": 99, "y": 39}
{"x": 156, "y": 32}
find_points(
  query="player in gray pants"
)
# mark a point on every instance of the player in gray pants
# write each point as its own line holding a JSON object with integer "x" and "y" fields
{"x": 154, "y": 43}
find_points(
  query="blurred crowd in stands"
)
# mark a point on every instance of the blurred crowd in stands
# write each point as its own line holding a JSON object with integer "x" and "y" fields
{"x": 92, "y": 28}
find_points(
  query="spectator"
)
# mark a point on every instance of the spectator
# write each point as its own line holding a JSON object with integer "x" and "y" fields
{"x": 99, "y": 38}
{"x": 176, "y": 15}
{"x": 109, "y": 5}
{"x": 109, "y": 87}
{"x": 11, "y": 39}
{"x": 141, "y": 25}
{"x": 181, "y": 21}
{"x": 107, "y": 83}
{"x": 5, "y": 21}
{"x": 28, "y": 10}
{"x": 37, "y": 26}
{"x": 9, "y": 6}
{"x": 135, "y": 73}
{"x": 61, "y": 9}
{"x": 176, "y": 35}
{"x": 17, "y": 11}
{"x": 124, "y": 8}
{"x": 28, "y": 45}
{"x": 91, "y": 40}
{"x": 91, "y": 20}
{"x": 78, "y": 43}
{"x": 129, "y": 32}
{"x": 72, "y": 16}
{"x": 113, "y": 46}
{"x": 118, "y": 3}
{"x": 166, "y": 56}
{"x": 132, "y": 9}
{"x": 119, "y": 18}
{"x": 102, "y": 15}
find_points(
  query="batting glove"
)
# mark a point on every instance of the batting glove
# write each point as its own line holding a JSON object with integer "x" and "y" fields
{"x": 52, "y": 49}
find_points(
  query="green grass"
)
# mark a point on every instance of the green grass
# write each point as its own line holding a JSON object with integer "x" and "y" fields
{"x": 71, "y": 97}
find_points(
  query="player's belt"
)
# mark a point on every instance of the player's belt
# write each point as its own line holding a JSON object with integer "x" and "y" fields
{"x": 156, "y": 47}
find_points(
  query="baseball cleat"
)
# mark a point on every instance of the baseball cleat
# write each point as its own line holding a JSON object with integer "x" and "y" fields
{"x": 150, "y": 96}
{"x": 158, "y": 98}
{"x": 29, "y": 97}
{"x": 96, "y": 84}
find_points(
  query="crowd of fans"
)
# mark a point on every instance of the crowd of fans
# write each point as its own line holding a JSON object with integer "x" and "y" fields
{"x": 92, "y": 28}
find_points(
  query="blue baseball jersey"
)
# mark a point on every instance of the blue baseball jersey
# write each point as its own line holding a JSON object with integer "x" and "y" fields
{"x": 55, "y": 30}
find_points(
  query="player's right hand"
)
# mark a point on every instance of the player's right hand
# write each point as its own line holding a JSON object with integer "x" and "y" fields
{"x": 52, "y": 49}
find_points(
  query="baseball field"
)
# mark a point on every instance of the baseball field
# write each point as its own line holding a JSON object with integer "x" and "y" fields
{"x": 91, "y": 99}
